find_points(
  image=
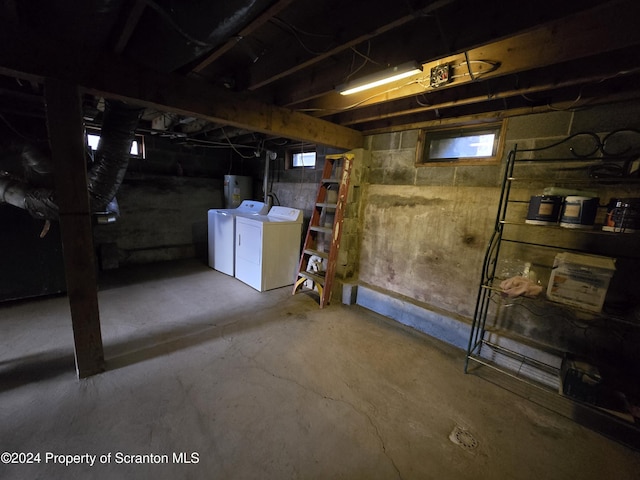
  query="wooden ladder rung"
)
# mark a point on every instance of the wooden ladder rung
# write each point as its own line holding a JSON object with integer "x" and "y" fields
{"x": 310, "y": 251}
{"x": 323, "y": 280}
{"x": 318, "y": 228}
{"x": 313, "y": 277}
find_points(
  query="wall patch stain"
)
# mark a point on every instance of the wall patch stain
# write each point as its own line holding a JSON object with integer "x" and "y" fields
{"x": 390, "y": 201}
{"x": 469, "y": 239}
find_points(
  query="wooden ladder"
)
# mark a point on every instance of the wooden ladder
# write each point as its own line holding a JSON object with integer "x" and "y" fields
{"x": 322, "y": 241}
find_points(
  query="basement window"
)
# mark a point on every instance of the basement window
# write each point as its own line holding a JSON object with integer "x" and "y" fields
{"x": 301, "y": 159}
{"x": 137, "y": 146}
{"x": 461, "y": 145}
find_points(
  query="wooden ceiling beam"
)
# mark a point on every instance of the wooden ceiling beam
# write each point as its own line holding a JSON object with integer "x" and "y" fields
{"x": 446, "y": 31}
{"x": 599, "y": 30}
{"x": 536, "y": 82}
{"x": 28, "y": 56}
{"x": 245, "y": 32}
{"x": 287, "y": 61}
{"x": 129, "y": 26}
{"x": 491, "y": 113}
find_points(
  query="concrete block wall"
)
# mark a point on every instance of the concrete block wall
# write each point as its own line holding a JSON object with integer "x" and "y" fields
{"x": 425, "y": 229}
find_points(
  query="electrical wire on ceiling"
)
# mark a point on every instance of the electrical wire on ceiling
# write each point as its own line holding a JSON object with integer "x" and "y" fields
{"x": 419, "y": 102}
{"x": 17, "y": 132}
{"x": 295, "y": 31}
{"x": 572, "y": 106}
{"x": 167, "y": 18}
{"x": 235, "y": 149}
{"x": 474, "y": 76}
{"x": 279, "y": 144}
{"x": 366, "y": 57}
{"x": 195, "y": 143}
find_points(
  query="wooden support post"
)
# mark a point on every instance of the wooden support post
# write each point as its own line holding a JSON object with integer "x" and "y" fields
{"x": 66, "y": 136}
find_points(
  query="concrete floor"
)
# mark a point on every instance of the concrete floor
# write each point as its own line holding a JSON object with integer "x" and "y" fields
{"x": 266, "y": 386}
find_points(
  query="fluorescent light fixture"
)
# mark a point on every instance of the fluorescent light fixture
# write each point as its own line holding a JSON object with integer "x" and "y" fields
{"x": 381, "y": 78}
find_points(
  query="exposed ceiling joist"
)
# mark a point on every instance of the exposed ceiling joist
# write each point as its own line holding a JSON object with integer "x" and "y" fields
{"x": 37, "y": 58}
{"x": 560, "y": 41}
{"x": 279, "y": 80}
{"x": 248, "y": 30}
{"x": 129, "y": 26}
{"x": 271, "y": 69}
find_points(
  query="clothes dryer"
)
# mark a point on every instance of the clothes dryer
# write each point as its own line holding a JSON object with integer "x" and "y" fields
{"x": 268, "y": 248}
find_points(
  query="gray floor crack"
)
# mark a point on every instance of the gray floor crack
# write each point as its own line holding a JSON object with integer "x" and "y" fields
{"x": 332, "y": 399}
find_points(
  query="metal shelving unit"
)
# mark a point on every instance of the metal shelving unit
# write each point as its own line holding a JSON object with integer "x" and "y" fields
{"x": 526, "y": 339}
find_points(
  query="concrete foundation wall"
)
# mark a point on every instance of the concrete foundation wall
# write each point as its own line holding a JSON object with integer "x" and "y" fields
{"x": 163, "y": 201}
{"x": 427, "y": 243}
{"x": 162, "y": 218}
{"x": 425, "y": 229}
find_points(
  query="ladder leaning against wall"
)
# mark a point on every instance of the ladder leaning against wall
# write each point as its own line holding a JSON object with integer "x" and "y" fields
{"x": 317, "y": 267}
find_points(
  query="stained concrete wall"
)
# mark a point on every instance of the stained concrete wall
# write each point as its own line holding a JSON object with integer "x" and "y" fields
{"x": 425, "y": 229}
{"x": 163, "y": 201}
{"x": 162, "y": 218}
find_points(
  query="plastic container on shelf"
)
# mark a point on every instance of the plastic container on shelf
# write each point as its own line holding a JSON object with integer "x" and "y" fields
{"x": 580, "y": 280}
{"x": 544, "y": 209}
{"x": 579, "y": 211}
{"x": 623, "y": 215}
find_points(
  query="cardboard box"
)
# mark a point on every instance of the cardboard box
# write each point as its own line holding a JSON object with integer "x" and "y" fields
{"x": 580, "y": 280}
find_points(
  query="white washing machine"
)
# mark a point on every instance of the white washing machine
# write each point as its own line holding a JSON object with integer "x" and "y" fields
{"x": 268, "y": 248}
{"x": 222, "y": 233}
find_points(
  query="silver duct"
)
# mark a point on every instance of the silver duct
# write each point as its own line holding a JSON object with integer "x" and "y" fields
{"x": 104, "y": 178}
{"x": 112, "y": 157}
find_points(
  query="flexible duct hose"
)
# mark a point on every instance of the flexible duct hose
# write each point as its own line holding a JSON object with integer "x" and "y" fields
{"x": 104, "y": 178}
{"x": 112, "y": 157}
{"x": 39, "y": 202}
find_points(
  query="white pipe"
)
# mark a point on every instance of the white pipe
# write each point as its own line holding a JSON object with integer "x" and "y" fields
{"x": 265, "y": 185}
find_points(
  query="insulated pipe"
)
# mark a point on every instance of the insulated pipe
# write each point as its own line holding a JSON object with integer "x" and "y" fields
{"x": 265, "y": 185}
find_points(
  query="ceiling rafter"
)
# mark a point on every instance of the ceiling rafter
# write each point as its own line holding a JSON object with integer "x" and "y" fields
{"x": 447, "y": 31}
{"x": 540, "y": 81}
{"x": 273, "y": 83}
{"x": 578, "y": 36}
{"x": 129, "y": 26}
{"x": 245, "y": 32}
{"x": 487, "y": 112}
{"x": 271, "y": 70}
{"x": 36, "y": 58}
